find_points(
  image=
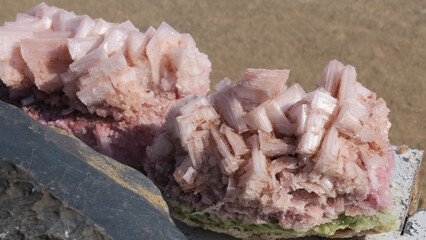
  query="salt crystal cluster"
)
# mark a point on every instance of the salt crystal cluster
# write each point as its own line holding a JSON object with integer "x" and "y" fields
{"x": 104, "y": 68}
{"x": 257, "y": 150}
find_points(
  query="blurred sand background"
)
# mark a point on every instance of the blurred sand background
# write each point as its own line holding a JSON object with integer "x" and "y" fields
{"x": 384, "y": 40}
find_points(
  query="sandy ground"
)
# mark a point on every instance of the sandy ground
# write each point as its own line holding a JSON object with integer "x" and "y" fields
{"x": 384, "y": 40}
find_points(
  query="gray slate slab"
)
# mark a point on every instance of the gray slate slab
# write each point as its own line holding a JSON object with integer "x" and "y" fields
{"x": 52, "y": 186}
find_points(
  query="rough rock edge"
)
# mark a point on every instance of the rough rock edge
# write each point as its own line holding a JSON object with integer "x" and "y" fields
{"x": 42, "y": 214}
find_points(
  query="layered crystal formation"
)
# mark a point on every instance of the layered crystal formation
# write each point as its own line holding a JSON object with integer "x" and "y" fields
{"x": 107, "y": 83}
{"x": 257, "y": 151}
{"x": 107, "y": 69}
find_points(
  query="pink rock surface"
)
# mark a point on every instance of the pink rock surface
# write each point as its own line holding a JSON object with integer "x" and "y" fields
{"x": 257, "y": 150}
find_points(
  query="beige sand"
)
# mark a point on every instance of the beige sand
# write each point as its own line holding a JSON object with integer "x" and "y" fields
{"x": 384, "y": 40}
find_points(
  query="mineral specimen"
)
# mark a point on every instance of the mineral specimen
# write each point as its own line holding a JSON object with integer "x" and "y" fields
{"x": 257, "y": 152}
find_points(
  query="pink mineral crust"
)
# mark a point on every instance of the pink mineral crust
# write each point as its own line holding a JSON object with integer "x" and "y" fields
{"x": 257, "y": 150}
{"x": 111, "y": 74}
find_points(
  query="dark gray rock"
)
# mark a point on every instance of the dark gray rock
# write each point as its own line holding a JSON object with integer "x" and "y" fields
{"x": 52, "y": 186}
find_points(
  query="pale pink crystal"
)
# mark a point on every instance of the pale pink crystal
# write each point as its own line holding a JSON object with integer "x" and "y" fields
{"x": 46, "y": 59}
{"x": 228, "y": 106}
{"x": 57, "y": 51}
{"x": 236, "y": 141}
{"x": 258, "y": 85}
{"x": 331, "y": 77}
{"x": 258, "y": 119}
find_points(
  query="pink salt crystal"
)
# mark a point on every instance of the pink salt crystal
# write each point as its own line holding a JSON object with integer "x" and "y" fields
{"x": 327, "y": 158}
{"x": 229, "y": 163}
{"x": 196, "y": 114}
{"x": 80, "y": 47}
{"x": 359, "y": 179}
{"x": 113, "y": 64}
{"x": 12, "y": 65}
{"x": 348, "y": 151}
{"x": 129, "y": 92}
{"x": 22, "y": 17}
{"x": 35, "y": 26}
{"x": 52, "y": 35}
{"x": 191, "y": 71}
{"x": 322, "y": 100}
{"x": 347, "y": 85}
{"x": 187, "y": 41}
{"x": 330, "y": 145}
{"x": 279, "y": 120}
{"x": 42, "y": 10}
{"x": 195, "y": 153}
{"x": 230, "y": 189}
{"x": 251, "y": 183}
{"x": 379, "y": 117}
{"x": 60, "y": 20}
{"x": 185, "y": 128}
{"x": 150, "y": 32}
{"x": 317, "y": 122}
{"x": 258, "y": 158}
{"x": 176, "y": 62}
{"x": 201, "y": 110}
{"x": 272, "y": 146}
{"x": 371, "y": 160}
{"x": 171, "y": 124}
{"x": 85, "y": 81}
{"x": 95, "y": 93}
{"x": 114, "y": 41}
{"x": 367, "y": 134}
{"x": 308, "y": 143}
{"x": 164, "y": 38}
{"x": 331, "y": 77}
{"x": 189, "y": 175}
{"x": 127, "y": 26}
{"x": 259, "y": 85}
{"x": 10, "y": 43}
{"x": 298, "y": 114}
{"x": 185, "y": 175}
{"x": 101, "y": 26}
{"x": 351, "y": 118}
{"x": 258, "y": 119}
{"x": 235, "y": 140}
{"x": 12, "y": 73}
{"x": 364, "y": 92}
{"x": 222, "y": 147}
{"x": 283, "y": 163}
{"x": 68, "y": 80}
{"x": 136, "y": 45}
{"x": 289, "y": 97}
{"x": 228, "y": 106}
{"x": 47, "y": 59}
{"x": 85, "y": 27}
{"x": 93, "y": 58}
